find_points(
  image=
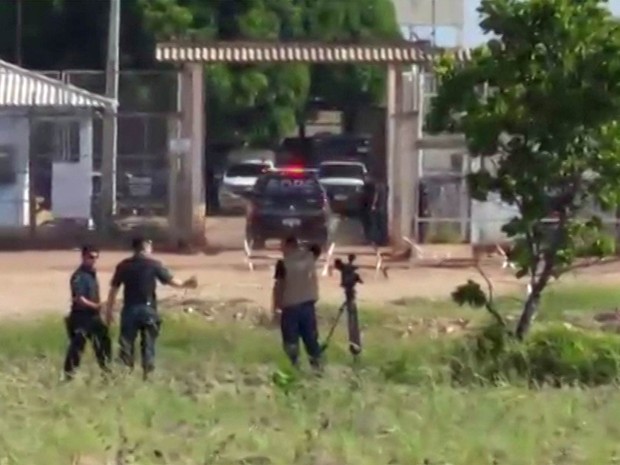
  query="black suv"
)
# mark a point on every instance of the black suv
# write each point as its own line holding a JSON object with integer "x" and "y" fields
{"x": 284, "y": 203}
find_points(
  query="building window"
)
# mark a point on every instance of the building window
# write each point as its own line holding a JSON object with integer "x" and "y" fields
{"x": 68, "y": 137}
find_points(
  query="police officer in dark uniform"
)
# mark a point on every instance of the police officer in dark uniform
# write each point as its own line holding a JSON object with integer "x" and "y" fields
{"x": 84, "y": 322}
{"x": 139, "y": 275}
{"x": 368, "y": 197}
{"x": 379, "y": 214}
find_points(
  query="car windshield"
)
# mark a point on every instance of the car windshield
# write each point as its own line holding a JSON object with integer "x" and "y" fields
{"x": 341, "y": 171}
{"x": 246, "y": 170}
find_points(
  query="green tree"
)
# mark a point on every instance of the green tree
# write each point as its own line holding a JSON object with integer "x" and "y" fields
{"x": 254, "y": 104}
{"x": 349, "y": 87}
{"x": 542, "y": 101}
{"x": 259, "y": 104}
{"x": 61, "y": 34}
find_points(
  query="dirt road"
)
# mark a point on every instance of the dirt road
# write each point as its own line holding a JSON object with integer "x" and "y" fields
{"x": 36, "y": 283}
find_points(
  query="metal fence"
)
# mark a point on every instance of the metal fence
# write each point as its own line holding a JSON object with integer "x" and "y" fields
{"x": 147, "y": 103}
{"x": 148, "y": 110}
{"x": 56, "y": 139}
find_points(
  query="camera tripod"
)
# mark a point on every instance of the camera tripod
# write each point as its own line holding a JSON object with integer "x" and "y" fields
{"x": 349, "y": 278}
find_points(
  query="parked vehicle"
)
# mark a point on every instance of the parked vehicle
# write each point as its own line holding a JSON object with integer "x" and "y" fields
{"x": 344, "y": 183}
{"x": 237, "y": 182}
{"x": 285, "y": 202}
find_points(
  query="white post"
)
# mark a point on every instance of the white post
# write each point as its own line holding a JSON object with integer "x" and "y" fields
{"x": 86, "y": 155}
{"x": 392, "y": 162}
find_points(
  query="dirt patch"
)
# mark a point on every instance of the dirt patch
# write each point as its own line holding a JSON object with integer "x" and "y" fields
{"x": 432, "y": 327}
{"x": 36, "y": 283}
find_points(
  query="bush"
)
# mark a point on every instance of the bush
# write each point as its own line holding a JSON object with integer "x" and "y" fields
{"x": 556, "y": 355}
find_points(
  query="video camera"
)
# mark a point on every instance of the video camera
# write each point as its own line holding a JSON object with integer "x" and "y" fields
{"x": 349, "y": 277}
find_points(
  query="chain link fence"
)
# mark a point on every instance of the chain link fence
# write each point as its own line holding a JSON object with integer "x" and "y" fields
{"x": 64, "y": 148}
{"x": 147, "y": 103}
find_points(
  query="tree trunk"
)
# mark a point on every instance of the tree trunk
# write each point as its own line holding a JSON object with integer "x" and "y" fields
{"x": 617, "y": 228}
{"x": 529, "y": 311}
{"x": 301, "y": 129}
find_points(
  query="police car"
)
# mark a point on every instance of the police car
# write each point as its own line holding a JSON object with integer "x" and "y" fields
{"x": 285, "y": 202}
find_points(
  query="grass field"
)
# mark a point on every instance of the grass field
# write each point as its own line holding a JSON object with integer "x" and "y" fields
{"x": 214, "y": 399}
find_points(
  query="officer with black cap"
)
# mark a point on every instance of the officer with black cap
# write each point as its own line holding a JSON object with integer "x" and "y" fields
{"x": 139, "y": 275}
{"x": 84, "y": 322}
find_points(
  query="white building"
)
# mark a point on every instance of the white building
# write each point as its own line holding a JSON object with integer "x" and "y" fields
{"x": 29, "y": 103}
{"x": 443, "y": 20}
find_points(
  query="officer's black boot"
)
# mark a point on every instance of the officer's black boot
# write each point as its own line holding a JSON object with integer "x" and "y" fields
{"x": 292, "y": 352}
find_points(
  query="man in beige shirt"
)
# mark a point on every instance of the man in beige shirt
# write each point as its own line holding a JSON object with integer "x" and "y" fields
{"x": 295, "y": 293}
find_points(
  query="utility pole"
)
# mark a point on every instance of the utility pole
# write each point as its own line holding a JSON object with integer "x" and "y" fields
{"x": 110, "y": 122}
{"x": 434, "y": 22}
{"x": 19, "y": 27}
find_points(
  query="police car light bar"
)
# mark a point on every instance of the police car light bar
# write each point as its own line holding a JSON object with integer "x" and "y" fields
{"x": 296, "y": 169}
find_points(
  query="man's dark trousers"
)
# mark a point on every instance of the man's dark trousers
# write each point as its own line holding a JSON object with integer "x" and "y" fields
{"x": 379, "y": 227}
{"x": 82, "y": 326}
{"x": 140, "y": 320}
{"x": 366, "y": 220}
{"x": 299, "y": 321}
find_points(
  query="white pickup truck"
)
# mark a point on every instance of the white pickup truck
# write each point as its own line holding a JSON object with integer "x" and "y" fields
{"x": 344, "y": 183}
{"x": 238, "y": 181}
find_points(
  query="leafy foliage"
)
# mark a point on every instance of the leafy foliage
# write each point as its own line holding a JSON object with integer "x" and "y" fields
{"x": 539, "y": 108}
{"x": 260, "y": 104}
{"x": 254, "y": 104}
{"x": 350, "y": 87}
{"x": 557, "y": 355}
{"x": 470, "y": 294}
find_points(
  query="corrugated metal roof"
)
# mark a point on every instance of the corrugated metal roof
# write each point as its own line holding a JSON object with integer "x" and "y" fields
{"x": 283, "y": 52}
{"x": 20, "y": 87}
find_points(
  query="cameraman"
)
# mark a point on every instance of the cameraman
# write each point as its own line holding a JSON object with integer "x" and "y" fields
{"x": 295, "y": 293}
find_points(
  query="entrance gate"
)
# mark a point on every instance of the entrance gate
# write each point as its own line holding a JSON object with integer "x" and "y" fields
{"x": 403, "y": 122}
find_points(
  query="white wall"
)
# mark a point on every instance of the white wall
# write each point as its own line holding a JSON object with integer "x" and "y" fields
{"x": 14, "y": 204}
{"x": 487, "y": 219}
{"x": 72, "y": 182}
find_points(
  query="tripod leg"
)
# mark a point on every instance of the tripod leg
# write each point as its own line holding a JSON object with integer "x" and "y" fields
{"x": 333, "y": 328}
{"x": 353, "y": 326}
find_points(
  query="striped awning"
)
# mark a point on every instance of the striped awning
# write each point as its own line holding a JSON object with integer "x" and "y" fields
{"x": 20, "y": 87}
{"x": 283, "y": 52}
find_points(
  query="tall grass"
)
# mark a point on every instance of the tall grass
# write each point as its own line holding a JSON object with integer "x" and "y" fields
{"x": 223, "y": 393}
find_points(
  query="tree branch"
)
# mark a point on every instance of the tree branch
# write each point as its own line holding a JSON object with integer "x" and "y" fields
{"x": 489, "y": 305}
